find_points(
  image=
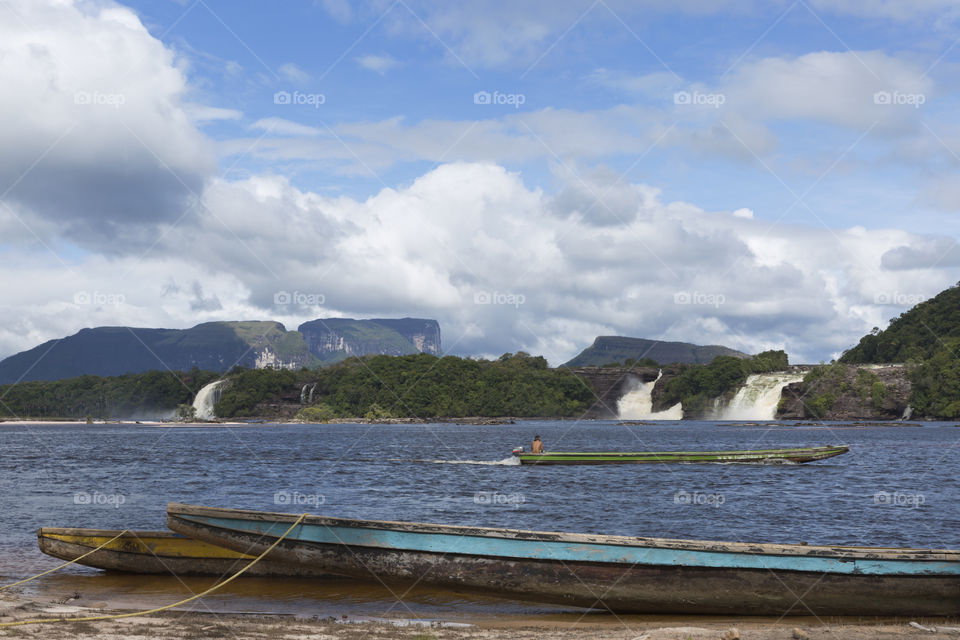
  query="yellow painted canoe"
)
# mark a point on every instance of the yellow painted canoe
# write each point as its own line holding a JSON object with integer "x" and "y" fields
{"x": 157, "y": 552}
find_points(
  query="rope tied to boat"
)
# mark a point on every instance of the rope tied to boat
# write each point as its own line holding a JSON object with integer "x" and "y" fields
{"x": 133, "y": 614}
{"x": 65, "y": 564}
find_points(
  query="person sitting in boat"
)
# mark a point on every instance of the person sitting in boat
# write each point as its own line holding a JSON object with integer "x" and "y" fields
{"x": 537, "y": 446}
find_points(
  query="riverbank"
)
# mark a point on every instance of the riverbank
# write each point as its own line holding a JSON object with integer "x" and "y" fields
{"x": 272, "y": 422}
{"x": 178, "y": 624}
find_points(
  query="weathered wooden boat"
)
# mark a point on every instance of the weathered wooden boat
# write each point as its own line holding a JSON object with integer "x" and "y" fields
{"x": 619, "y": 573}
{"x": 157, "y": 552}
{"x": 762, "y": 456}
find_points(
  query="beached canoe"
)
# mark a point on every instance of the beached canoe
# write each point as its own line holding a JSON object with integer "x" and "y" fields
{"x": 805, "y": 454}
{"x": 157, "y": 552}
{"x": 620, "y": 573}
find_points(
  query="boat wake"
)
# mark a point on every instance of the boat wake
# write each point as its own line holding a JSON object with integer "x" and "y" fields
{"x": 506, "y": 462}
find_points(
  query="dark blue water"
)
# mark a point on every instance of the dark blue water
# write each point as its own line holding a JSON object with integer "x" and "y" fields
{"x": 897, "y": 487}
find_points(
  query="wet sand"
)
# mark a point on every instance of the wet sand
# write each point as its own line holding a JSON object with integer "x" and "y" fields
{"x": 588, "y": 625}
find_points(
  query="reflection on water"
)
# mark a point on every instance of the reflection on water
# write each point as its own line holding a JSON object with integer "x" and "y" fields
{"x": 302, "y": 597}
{"x": 897, "y": 487}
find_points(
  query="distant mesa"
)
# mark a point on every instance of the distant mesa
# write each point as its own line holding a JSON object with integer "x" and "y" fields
{"x": 608, "y": 349}
{"x": 218, "y": 346}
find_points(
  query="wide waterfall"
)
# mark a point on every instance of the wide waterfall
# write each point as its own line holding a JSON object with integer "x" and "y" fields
{"x": 206, "y": 398}
{"x": 759, "y": 396}
{"x": 637, "y": 404}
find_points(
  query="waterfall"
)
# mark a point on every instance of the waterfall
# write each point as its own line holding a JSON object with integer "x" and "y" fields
{"x": 306, "y": 393}
{"x": 206, "y": 398}
{"x": 759, "y": 396}
{"x": 638, "y": 404}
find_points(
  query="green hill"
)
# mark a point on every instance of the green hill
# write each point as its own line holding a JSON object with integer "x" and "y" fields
{"x": 927, "y": 337}
{"x": 607, "y": 349}
{"x": 915, "y": 335}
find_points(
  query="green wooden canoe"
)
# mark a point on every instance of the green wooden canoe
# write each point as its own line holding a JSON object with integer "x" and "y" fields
{"x": 805, "y": 454}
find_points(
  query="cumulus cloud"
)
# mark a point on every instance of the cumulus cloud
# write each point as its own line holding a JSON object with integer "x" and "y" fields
{"x": 501, "y": 265}
{"x": 96, "y": 135}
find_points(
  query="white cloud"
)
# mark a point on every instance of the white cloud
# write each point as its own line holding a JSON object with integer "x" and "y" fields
{"x": 293, "y": 73}
{"x": 201, "y": 113}
{"x": 856, "y": 89}
{"x": 466, "y": 230}
{"x": 94, "y": 105}
{"x": 379, "y": 64}
{"x": 283, "y": 127}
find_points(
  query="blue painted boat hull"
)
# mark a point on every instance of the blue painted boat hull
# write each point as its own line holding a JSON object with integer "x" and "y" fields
{"x": 619, "y": 573}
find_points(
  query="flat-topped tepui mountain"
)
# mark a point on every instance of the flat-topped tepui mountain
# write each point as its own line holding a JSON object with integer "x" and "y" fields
{"x": 607, "y": 349}
{"x": 218, "y": 346}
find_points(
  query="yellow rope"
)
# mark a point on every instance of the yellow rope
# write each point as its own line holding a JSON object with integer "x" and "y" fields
{"x": 65, "y": 564}
{"x": 169, "y": 606}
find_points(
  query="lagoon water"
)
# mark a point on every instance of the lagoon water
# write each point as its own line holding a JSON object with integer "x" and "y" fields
{"x": 897, "y": 487}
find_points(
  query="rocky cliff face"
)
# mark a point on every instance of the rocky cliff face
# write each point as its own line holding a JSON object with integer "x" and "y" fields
{"x": 423, "y": 334}
{"x": 334, "y": 339}
{"x": 609, "y": 384}
{"x": 848, "y": 392}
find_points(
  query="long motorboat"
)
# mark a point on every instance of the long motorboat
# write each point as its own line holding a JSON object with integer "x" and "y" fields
{"x": 157, "y": 552}
{"x": 762, "y": 456}
{"x": 619, "y": 573}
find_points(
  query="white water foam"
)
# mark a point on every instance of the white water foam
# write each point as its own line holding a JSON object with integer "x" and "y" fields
{"x": 637, "y": 404}
{"x": 206, "y": 398}
{"x": 506, "y": 462}
{"x": 759, "y": 396}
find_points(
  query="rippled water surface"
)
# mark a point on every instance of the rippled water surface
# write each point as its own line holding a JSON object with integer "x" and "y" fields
{"x": 897, "y": 487}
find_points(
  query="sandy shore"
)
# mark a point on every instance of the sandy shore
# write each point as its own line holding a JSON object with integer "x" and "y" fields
{"x": 174, "y": 624}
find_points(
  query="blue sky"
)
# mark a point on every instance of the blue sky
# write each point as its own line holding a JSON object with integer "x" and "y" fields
{"x": 787, "y": 168}
{"x": 240, "y": 54}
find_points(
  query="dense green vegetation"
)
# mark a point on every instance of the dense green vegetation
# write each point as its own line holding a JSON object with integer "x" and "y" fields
{"x": 249, "y": 387}
{"x": 927, "y": 337}
{"x": 936, "y": 383}
{"x": 823, "y": 384}
{"x": 913, "y": 336}
{"x": 698, "y": 385}
{"x": 420, "y": 385}
{"x": 150, "y": 394}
